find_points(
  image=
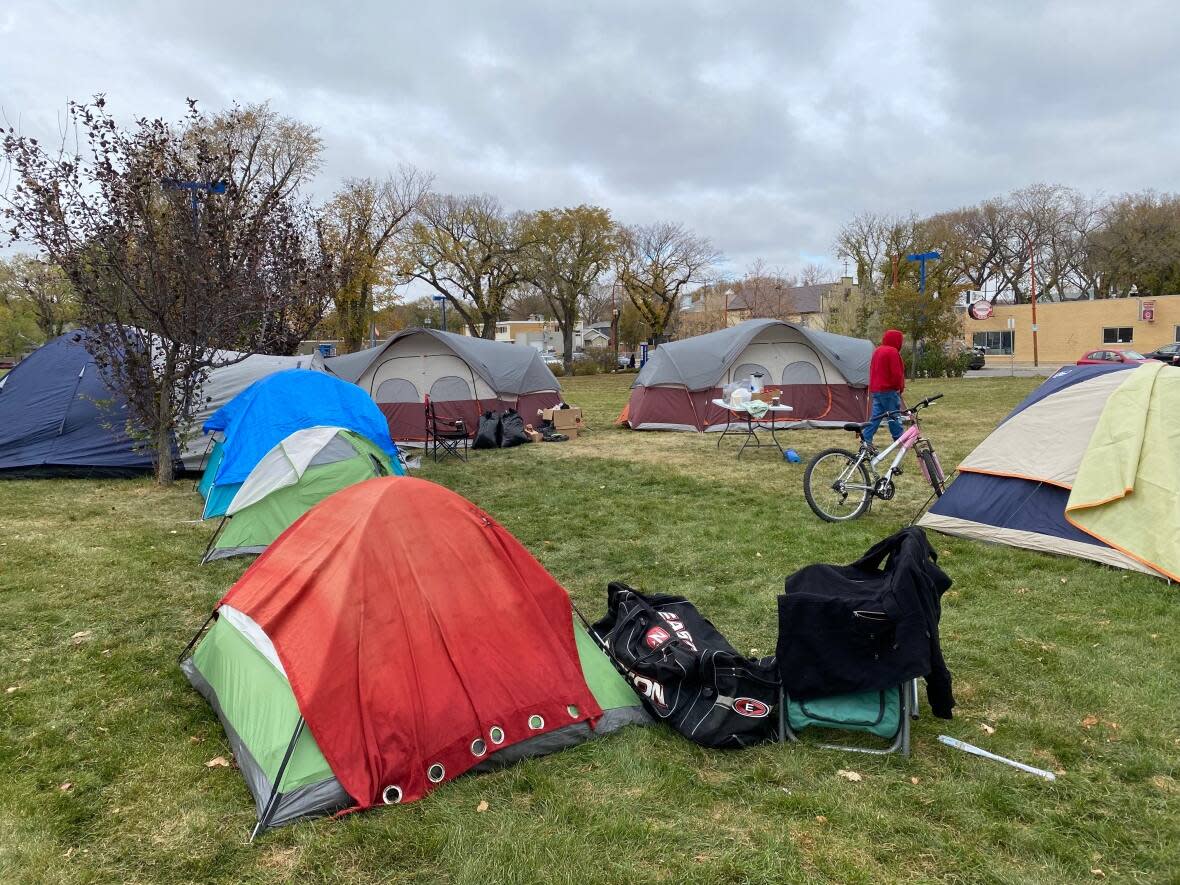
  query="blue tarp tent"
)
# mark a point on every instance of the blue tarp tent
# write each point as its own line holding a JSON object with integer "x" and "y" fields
{"x": 58, "y": 417}
{"x": 268, "y": 411}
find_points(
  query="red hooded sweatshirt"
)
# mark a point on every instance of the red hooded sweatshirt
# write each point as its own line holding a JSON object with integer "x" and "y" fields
{"x": 886, "y": 371}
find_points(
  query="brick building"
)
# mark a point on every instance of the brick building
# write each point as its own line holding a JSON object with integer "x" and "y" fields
{"x": 1067, "y": 329}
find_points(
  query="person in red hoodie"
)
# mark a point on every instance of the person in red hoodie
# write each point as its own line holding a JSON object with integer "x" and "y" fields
{"x": 886, "y": 383}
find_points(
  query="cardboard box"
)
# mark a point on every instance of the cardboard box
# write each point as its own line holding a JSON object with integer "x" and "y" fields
{"x": 534, "y": 436}
{"x": 563, "y": 419}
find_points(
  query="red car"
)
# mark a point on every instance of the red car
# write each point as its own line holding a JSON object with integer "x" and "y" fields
{"x": 1108, "y": 355}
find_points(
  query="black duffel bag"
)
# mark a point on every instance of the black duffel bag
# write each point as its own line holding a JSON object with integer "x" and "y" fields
{"x": 686, "y": 673}
{"x": 488, "y": 433}
{"x": 512, "y": 432}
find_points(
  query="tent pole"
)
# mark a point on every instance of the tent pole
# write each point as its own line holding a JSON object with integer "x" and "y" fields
{"x": 61, "y": 428}
{"x": 209, "y": 546}
{"x": 196, "y": 636}
{"x": 201, "y": 467}
{"x": 273, "y": 801}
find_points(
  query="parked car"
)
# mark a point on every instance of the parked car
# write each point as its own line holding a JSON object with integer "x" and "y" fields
{"x": 1169, "y": 353}
{"x": 977, "y": 358}
{"x": 1106, "y": 356}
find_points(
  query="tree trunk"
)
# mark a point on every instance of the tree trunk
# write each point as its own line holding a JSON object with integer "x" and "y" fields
{"x": 488, "y": 326}
{"x": 164, "y": 430}
{"x": 567, "y": 344}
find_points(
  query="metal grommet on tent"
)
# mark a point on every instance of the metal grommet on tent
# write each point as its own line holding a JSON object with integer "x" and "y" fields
{"x": 391, "y": 795}
{"x": 496, "y": 733}
{"x": 478, "y": 747}
{"x": 436, "y": 773}
{"x": 572, "y": 710}
{"x": 536, "y": 723}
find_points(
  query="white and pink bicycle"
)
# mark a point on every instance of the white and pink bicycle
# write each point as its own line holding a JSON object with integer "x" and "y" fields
{"x": 840, "y": 485}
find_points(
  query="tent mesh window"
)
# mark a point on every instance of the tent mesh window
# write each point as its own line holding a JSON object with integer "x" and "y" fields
{"x": 745, "y": 370}
{"x": 397, "y": 390}
{"x": 450, "y": 388}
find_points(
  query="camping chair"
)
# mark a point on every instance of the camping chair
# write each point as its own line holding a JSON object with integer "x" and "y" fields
{"x": 444, "y": 436}
{"x": 886, "y": 714}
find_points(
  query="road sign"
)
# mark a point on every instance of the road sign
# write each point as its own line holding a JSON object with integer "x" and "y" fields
{"x": 438, "y": 298}
{"x": 1147, "y": 311}
{"x": 1011, "y": 322}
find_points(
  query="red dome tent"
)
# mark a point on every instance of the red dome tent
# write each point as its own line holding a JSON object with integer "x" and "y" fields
{"x": 414, "y": 637}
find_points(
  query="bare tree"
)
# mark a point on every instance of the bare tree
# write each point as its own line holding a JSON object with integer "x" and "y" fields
{"x": 654, "y": 265}
{"x": 470, "y": 251}
{"x": 175, "y": 252}
{"x": 365, "y": 219}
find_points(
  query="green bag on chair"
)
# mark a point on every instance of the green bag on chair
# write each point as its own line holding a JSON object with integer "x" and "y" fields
{"x": 875, "y": 712}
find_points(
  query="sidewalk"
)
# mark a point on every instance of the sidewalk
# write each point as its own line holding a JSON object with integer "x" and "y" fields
{"x": 997, "y": 367}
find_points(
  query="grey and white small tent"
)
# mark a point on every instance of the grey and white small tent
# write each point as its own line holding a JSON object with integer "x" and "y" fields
{"x": 463, "y": 377}
{"x": 822, "y": 376}
{"x": 227, "y": 381}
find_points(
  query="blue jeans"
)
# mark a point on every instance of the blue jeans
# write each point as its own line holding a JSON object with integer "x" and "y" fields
{"x": 885, "y": 401}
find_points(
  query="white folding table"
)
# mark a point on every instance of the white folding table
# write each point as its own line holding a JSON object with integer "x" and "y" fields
{"x": 741, "y": 423}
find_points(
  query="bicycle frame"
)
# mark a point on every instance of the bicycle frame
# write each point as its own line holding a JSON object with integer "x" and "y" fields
{"x": 903, "y": 444}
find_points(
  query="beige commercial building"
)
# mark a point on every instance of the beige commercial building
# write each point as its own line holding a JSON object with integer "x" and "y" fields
{"x": 1067, "y": 329}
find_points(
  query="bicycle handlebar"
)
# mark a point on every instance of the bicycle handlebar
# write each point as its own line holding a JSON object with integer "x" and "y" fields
{"x": 921, "y": 404}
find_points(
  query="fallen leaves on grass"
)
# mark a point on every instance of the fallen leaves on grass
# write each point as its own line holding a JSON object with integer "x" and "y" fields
{"x": 1097, "y": 873}
{"x": 11, "y": 689}
{"x": 820, "y": 819}
{"x": 217, "y": 762}
{"x": 1090, "y": 721}
{"x": 81, "y": 636}
{"x": 196, "y": 739}
{"x": 849, "y": 775}
{"x": 482, "y": 806}
{"x": 915, "y": 781}
{"x": 66, "y": 787}
{"x": 986, "y": 729}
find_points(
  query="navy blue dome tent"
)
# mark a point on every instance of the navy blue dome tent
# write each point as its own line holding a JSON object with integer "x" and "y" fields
{"x": 58, "y": 417}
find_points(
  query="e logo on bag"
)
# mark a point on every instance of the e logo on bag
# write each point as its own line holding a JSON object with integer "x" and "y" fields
{"x": 749, "y": 707}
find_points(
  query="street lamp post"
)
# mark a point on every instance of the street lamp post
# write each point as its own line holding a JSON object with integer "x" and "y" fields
{"x": 921, "y": 258}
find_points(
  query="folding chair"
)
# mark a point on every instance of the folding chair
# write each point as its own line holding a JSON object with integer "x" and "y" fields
{"x": 444, "y": 436}
{"x": 886, "y": 714}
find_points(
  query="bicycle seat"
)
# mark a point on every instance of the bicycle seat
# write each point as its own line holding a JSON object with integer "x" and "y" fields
{"x": 856, "y": 428}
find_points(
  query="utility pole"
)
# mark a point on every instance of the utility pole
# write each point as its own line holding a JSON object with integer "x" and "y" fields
{"x": 1032, "y": 273}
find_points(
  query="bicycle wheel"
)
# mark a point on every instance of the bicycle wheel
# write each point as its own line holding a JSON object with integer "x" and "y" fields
{"x": 837, "y": 486}
{"x": 933, "y": 471}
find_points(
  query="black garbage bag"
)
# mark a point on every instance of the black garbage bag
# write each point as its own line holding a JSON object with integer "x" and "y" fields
{"x": 488, "y": 433}
{"x": 512, "y": 432}
{"x": 686, "y": 673}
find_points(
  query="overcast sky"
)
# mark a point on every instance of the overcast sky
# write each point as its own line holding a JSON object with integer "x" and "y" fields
{"x": 763, "y": 126}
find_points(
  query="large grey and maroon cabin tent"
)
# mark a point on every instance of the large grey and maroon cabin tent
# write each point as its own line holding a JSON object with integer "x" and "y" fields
{"x": 822, "y": 376}
{"x": 463, "y": 377}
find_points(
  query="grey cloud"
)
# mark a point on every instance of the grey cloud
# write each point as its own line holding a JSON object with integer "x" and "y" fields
{"x": 763, "y": 126}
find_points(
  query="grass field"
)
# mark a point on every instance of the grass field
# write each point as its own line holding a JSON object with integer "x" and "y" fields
{"x": 1061, "y": 663}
